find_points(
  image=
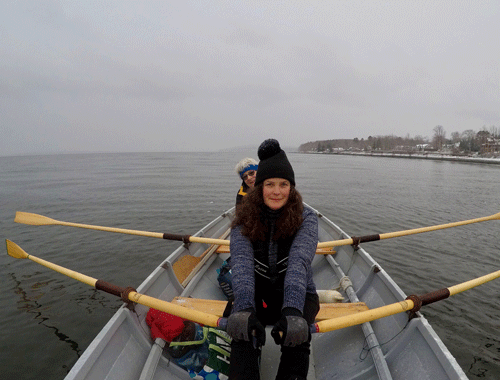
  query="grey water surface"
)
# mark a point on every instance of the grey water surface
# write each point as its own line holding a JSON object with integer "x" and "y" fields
{"x": 48, "y": 319}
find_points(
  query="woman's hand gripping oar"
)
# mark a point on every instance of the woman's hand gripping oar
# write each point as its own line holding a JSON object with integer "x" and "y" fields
{"x": 412, "y": 303}
{"x": 127, "y": 294}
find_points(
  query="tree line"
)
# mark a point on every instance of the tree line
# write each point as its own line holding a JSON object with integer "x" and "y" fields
{"x": 486, "y": 141}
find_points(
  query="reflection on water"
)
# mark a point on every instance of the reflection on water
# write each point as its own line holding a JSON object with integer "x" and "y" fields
{"x": 29, "y": 303}
{"x": 181, "y": 193}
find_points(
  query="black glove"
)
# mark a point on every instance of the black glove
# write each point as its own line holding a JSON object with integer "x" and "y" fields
{"x": 291, "y": 330}
{"x": 244, "y": 325}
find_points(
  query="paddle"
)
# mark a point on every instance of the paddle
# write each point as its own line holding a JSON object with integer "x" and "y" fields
{"x": 40, "y": 220}
{"x": 126, "y": 293}
{"x": 412, "y": 303}
{"x": 368, "y": 238}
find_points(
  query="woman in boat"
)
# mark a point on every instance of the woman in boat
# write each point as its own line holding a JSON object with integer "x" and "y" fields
{"x": 247, "y": 170}
{"x": 273, "y": 242}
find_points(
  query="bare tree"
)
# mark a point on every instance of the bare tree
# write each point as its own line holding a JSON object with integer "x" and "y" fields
{"x": 468, "y": 140}
{"x": 439, "y": 137}
{"x": 494, "y": 131}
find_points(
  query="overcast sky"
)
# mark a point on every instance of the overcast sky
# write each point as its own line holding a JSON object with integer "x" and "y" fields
{"x": 93, "y": 76}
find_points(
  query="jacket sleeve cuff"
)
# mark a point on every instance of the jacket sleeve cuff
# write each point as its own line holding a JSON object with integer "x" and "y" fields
{"x": 291, "y": 311}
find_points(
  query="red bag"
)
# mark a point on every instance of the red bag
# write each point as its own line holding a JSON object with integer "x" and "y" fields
{"x": 163, "y": 325}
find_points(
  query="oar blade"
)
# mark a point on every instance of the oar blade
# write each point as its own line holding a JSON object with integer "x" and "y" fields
{"x": 15, "y": 251}
{"x": 33, "y": 219}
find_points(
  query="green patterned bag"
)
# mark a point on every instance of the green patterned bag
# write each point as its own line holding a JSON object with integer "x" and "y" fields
{"x": 219, "y": 351}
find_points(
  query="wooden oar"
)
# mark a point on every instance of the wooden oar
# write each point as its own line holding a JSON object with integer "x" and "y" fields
{"x": 40, "y": 220}
{"x": 193, "y": 315}
{"x": 367, "y": 238}
{"x": 212, "y": 320}
{"x": 411, "y": 303}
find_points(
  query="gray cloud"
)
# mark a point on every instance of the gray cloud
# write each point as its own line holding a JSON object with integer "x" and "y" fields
{"x": 164, "y": 75}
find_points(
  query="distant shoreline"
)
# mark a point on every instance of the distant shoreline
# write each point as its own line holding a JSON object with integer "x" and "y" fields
{"x": 421, "y": 156}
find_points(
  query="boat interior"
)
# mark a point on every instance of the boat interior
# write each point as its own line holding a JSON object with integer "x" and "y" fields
{"x": 394, "y": 347}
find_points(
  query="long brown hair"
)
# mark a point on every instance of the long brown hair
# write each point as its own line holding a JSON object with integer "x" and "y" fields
{"x": 249, "y": 215}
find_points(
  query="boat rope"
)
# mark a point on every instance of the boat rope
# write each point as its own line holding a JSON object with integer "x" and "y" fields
{"x": 351, "y": 263}
{"x": 365, "y": 349}
{"x": 345, "y": 282}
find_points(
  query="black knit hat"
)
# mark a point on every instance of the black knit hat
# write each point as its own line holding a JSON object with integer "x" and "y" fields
{"x": 273, "y": 163}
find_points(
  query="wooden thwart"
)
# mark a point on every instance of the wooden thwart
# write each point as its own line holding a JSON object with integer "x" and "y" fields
{"x": 319, "y": 251}
{"x": 187, "y": 266}
{"x": 216, "y": 307}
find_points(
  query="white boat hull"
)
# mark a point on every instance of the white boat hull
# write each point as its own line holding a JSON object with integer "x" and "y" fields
{"x": 387, "y": 348}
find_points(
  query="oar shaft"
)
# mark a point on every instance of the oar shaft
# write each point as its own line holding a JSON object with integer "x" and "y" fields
{"x": 112, "y": 229}
{"x": 434, "y": 228}
{"x": 167, "y": 236}
{"x": 67, "y": 272}
{"x": 473, "y": 283}
{"x": 180, "y": 311}
{"x": 389, "y": 235}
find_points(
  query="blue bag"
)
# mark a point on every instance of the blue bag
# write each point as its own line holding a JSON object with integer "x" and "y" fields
{"x": 224, "y": 279}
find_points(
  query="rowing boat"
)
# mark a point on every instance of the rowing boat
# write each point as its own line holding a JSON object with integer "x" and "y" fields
{"x": 394, "y": 347}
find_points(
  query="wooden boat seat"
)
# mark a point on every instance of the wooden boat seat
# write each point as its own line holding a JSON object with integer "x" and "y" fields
{"x": 216, "y": 307}
{"x": 319, "y": 251}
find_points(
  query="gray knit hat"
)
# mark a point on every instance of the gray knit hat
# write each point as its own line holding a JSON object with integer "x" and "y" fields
{"x": 273, "y": 163}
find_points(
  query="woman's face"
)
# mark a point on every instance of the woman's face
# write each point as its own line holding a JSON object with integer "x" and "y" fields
{"x": 249, "y": 178}
{"x": 276, "y": 192}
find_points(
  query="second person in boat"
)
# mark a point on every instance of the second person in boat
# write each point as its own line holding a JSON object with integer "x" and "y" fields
{"x": 273, "y": 243}
{"x": 247, "y": 170}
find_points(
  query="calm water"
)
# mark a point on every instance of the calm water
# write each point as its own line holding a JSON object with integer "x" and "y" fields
{"x": 48, "y": 319}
